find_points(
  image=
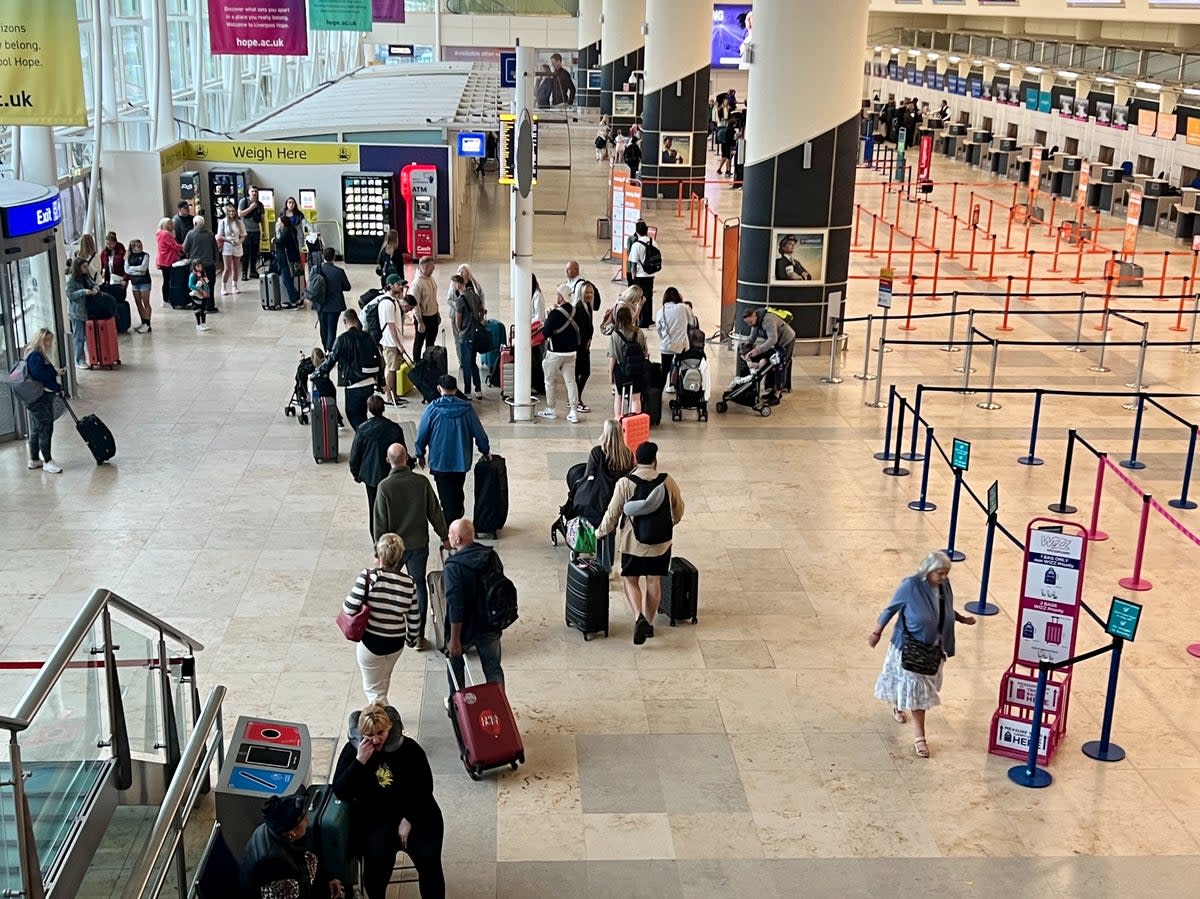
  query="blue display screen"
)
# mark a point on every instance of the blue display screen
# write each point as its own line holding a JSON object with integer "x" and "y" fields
{"x": 30, "y": 218}
{"x": 730, "y": 30}
{"x": 472, "y": 143}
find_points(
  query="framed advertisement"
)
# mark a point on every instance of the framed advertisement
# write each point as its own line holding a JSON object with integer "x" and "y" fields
{"x": 624, "y": 104}
{"x": 798, "y": 256}
{"x": 675, "y": 150}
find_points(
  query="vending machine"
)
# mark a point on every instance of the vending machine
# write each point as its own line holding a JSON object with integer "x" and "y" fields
{"x": 224, "y": 187}
{"x": 368, "y": 207}
{"x": 418, "y": 186}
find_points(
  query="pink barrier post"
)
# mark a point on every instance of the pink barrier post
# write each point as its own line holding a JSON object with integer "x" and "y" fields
{"x": 1093, "y": 532}
{"x": 1137, "y": 582}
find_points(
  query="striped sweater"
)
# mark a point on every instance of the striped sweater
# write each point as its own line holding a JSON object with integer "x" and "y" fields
{"x": 394, "y": 613}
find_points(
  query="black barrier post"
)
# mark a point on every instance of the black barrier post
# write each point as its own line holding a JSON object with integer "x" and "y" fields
{"x": 922, "y": 504}
{"x": 1103, "y": 750}
{"x": 1132, "y": 461}
{"x": 983, "y": 607}
{"x": 912, "y": 455}
{"x": 1183, "y": 502}
{"x": 954, "y": 554}
{"x": 1032, "y": 459}
{"x": 1061, "y": 507}
{"x": 1029, "y": 774}
{"x": 886, "y": 455}
{"x": 896, "y": 471}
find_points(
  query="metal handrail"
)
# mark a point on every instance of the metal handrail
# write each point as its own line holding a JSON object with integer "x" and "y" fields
{"x": 167, "y": 832}
{"x": 100, "y": 601}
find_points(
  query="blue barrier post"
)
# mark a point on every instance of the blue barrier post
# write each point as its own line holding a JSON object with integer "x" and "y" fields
{"x": 1029, "y": 774}
{"x": 1061, "y": 507}
{"x": 886, "y": 455}
{"x": 912, "y": 455}
{"x": 895, "y": 470}
{"x": 1103, "y": 750}
{"x": 954, "y": 554}
{"x": 983, "y": 607}
{"x": 922, "y": 504}
{"x": 1132, "y": 461}
{"x": 1183, "y": 502}
{"x": 1032, "y": 459}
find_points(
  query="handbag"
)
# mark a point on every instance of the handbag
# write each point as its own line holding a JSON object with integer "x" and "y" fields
{"x": 916, "y": 655}
{"x": 354, "y": 626}
{"x": 581, "y": 536}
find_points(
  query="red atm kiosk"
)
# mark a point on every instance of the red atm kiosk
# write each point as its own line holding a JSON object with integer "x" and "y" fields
{"x": 418, "y": 187}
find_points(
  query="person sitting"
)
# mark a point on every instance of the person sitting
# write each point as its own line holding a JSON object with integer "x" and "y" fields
{"x": 276, "y": 864}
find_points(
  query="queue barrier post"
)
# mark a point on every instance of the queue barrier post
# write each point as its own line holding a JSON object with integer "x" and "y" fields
{"x": 933, "y": 237}
{"x": 1004, "y": 325}
{"x": 1136, "y": 581}
{"x": 908, "y": 325}
{"x": 966, "y": 366}
{"x": 923, "y": 504}
{"x": 1141, "y": 365}
{"x": 712, "y": 253}
{"x": 1029, "y": 774}
{"x": 912, "y": 259}
{"x": 950, "y": 347}
{"x": 1183, "y": 502}
{"x": 1078, "y": 279}
{"x": 857, "y": 223}
{"x": 917, "y": 223}
{"x": 832, "y": 377}
{"x": 982, "y": 606}
{"x": 1183, "y": 294}
{"x": 1100, "y": 367}
{"x": 874, "y": 224}
{"x": 912, "y": 455}
{"x": 1093, "y": 531}
{"x": 953, "y": 237}
{"x": 937, "y": 267}
{"x": 1104, "y": 750}
{"x": 1057, "y": 244}
{"x": 953, "y": 554}
{"x": 886, "y": 454}
{"x": 1012, "y": 211}
{"x": 990, "y": 403}
{"x": 1132, "y": 462}
{"x": 1162, "y": 280}
{"x": 1029, "y": 276}
{"x": 1061, "y": 507}
{"x": 1077, "y": 348}
{"x": 1031, "y": 458}
{"x": 865, "y": 375}
{"x": 1190, "y": 349}
{"x": 953, "y": 197}
{"x": 891, "y": 243}
{"x": 878, "y": 404}
{"x": 1108, "y": 287}
{"x": 971, "y": 257}
{"x": 895, "y": 470}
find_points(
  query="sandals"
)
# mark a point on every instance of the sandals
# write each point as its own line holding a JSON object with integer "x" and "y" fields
{"x": 921, "y": 748}
{"x": 899, "y": 717}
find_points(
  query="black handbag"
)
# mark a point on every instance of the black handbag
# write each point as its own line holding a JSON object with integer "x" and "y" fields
{"x": 916, "y": 655}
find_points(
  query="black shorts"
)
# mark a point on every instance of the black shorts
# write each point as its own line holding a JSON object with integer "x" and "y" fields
{"x": 645, "y": 566}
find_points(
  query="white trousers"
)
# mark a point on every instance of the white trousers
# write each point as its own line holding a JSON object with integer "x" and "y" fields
{"x": 376, "y": 673}
{"x": 554, "y": 365}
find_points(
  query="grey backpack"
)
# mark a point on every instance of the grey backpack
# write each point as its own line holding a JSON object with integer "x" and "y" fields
{"x": 27, "y": 389}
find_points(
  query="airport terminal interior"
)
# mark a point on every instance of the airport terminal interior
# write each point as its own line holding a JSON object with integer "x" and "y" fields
{"x": 1039, "y": 234}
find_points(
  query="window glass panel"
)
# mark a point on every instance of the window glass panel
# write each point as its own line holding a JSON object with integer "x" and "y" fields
{"x": 1162, "y": 65}
{"x": 129, "y": 8}
{"x": 1093, "y": 57}
{"x": 85, "y": 53}
{"x": 1000, "y": 48}
{"x": 129, "y": 42}
{"x": 1123, "y": 61}
{"x": 180, "y": 54}
{"x": 1191, "y": 67}
{"x": 960, "y": 43}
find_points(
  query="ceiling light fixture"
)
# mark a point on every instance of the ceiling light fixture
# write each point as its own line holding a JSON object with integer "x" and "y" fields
{"x": 955, "y": 59}
{"x": 1034, "y": 70}
{"x": 1070, "y": 76}
{"x": 1148, "y": 85}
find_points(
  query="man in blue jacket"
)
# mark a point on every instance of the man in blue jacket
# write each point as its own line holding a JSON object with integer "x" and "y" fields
{"x": 447, "y": 429}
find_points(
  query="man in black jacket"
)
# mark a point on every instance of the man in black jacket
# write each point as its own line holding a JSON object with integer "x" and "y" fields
{"x": 330, "y": 300}
{"x": 368, "y": 454}
{"x": 358, "y": 362}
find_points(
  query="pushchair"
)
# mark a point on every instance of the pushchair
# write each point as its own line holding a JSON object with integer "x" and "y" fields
{"x": 567, "y": 510}
{"x": 750, "y": 390}
{"x": 691, "y": 385}
{"x": 300, "y": 402}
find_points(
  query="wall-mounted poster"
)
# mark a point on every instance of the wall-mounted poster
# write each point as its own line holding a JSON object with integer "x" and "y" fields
{"x": 1066, "y": 105}
{"x": 676, "y": 149}
{"x": 625, "y": 104}
{"x": 1081, "y": 108}
{"x": 1120, "y": 117}
{"x": 799, "y": 256}
{"x": 1103, "y": 113}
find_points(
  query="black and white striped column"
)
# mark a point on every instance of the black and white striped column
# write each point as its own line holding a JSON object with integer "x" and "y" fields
{"x": 804, "y": 98}
{"x": 675, "y": 119}
{"x": 622, "y": 51}
{"x": 589, "y": 52}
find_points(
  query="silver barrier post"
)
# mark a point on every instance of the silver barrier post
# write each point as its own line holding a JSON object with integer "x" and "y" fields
{"x": 1141, "y": 367}
{"x": 832, "y": 377}
{"x": 1079, "y": 325}
{"x": 966, "y": 366}
{"x": 883, "y": 347}
{"x": 866, "y": 376}
{"x": 1190, "y": 349}
{"x": 988, "y": 403}
{"x": 950, "y": 347}
{"x": 878, "y": 403}
{"x": 1099, "y": 367}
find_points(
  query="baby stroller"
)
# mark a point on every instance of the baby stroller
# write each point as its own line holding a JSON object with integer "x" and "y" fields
{"x": 567, "y": 510}
{"x": 300, "y": 403}
{"x": 691, "y": 385}
{"x": 749, "y": 389}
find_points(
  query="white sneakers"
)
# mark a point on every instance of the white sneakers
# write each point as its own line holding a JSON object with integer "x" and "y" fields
{"x": 573, "y": 417}
{"x": 478, "y": 395}
{"x": 51, "y": 468}
{"x": 34, "y": 463}
{"x": 200, "y": 329}
{"x": 668, "y": 389}
{"x": 547, "y": 413}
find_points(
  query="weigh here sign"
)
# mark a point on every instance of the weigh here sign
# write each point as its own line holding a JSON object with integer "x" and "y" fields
{"x": 41, "y": 76}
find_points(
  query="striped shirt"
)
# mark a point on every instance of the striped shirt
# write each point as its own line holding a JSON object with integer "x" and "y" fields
{"x": 394, "y": 613}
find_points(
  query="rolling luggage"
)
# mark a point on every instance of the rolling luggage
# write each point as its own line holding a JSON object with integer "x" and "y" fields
{"x": 491, "y": 358}
{"x": 587, "y": 596}
{"x": 124, "y": 316}
{"x": 101, "y": 305}
{"x": 484, "y": 724}
{"x": 101, "y": 338}
{"x": 270, "y": 290}
{"x": 324, "y": 429}
{"x": 635, "y": 426}
{"x": 328, "y": 835}
{"x": 652, "y": 402}
{"x": 680, "y": 591}
{"x": 177, "y": 289}
{"x": 436, "y": 356}
{"x": 491, "y": 497}
{"x": 508, "y": 372}
{"x": 424, "y": 376}
{"x": 95, "y": 434}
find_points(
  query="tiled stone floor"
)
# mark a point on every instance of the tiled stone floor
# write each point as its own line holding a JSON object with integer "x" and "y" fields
{"x": 742, "y": 756}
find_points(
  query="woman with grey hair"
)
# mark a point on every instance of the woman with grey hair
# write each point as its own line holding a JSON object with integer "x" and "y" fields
{"x": 923, "y": 606}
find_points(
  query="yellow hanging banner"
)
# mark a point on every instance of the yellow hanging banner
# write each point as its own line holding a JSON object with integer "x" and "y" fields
{"x": 41, "y": 76}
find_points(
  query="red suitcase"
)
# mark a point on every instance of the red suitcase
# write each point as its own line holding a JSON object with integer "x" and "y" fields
{"x": 102, "y": 348}
{"x": 635, "y": 426}
{"x": 324, "y": 429}
{"x": 485, "y": 726}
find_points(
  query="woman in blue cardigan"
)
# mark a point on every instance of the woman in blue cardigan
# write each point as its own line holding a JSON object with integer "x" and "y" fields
{"x": 924, "y": 606}
{"x": 38, "y": 356}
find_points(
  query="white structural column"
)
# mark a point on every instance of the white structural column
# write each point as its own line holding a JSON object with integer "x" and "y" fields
{"x": 621, "y": 53}
{"x": 675, "y": 115}
{"x": 35, "y": 155}
{"x": 589, "y": 51}
{"x": 522, "y": 252}
{"x": 162, "y": 107}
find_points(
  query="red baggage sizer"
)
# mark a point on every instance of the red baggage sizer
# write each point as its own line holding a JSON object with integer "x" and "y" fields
{"x": 485, "y": 726}
{"x": 102, "y": 348}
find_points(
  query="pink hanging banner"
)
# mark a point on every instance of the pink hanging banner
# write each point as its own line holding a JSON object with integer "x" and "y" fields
{"x": 257, "y": 27}
{"x": 387, "y": 11}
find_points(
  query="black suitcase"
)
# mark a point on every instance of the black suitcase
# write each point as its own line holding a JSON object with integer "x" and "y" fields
{"x": 680, "y": 591}
{"x": 124, "y": 316}
{"x": 491, "y": 497}
{"x": 424, "y": 376}
{"x": 435, "y": 358}
{"x": 95, "y": 434}
{"x": 328, "y": 835}
{"x": 652, "y": 405}
{"x": 324, "y": 429}
{"x": 102, "y": 305}
{"x": 587, "y": 597}
{"x": 270, "y": 290}
{"x": 177, "y": 290}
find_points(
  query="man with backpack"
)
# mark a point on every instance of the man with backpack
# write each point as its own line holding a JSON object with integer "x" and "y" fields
{"x": 326, "y": 293}
{"x": 382, "y": 319}
{"x": 644, "y": 510}
{"x": 645, "y": 261}
{"x": 359, "y": 365}
{"x": 480, "y": 603}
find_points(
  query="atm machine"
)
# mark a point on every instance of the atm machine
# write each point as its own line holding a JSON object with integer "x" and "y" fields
{"x": 418, "y": 187}
{"x": 30, "y": 286}
{"x": 226, "y": 186}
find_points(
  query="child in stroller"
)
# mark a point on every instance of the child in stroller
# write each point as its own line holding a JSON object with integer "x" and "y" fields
{"x": 749, "y": 389}
{"x": 306, "y": 385}
{"x": 692, "y": 384}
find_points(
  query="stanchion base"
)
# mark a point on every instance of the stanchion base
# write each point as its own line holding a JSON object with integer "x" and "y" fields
{"x": 1031, "y": 460}
{"x": 1132, "y": 463}
{"x": 864, "y": 377}
{"x": 918, "y": 506}
{"x": 886, "y": 349}
{"x": 1130, "y": 406}
{"x": 954, "y": 555}
{"x": 950, "y": 349}
{"x": 1060, "y": 509}
{"x": 1098, "y": 328}
{"x": 908, "y": 327}
{"x": 913, "y": 457}
{"x": 1035, "y": 779}
{"x": 1099, "y": 369}
{"x": 830, "y": 380}
{"x": 1005, "y": 328}
{"x": 1177, "y": 330}
{"x": 1194, "y": 650}
{"x": 960, "y": 370}
{"x": 1138, "y": 584}
{"x": 1076, "y": 349}
{"x": 897, "y": 472}
{"x": 1189, "y": 352}
{"x": 1096, "y": 536}
{"x": 989, "y": 406}
{"x": 881, "y": 404}
{"x": 1181, "y": 504}
{"x": 1113, "y": 753}
{"x": 982, "y": 608}
{"x": 885, "y": 457}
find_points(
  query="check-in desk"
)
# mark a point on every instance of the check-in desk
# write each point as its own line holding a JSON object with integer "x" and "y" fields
{"x": 1003, "y": 157}
{"x": 976, "y": 148}
{"x": 1064, "y": 176}
{"x": 1101, "y": 184}
{"x": 951, "y": 139}
{"x": 1023, "y": 160}
{"x": 1156, "y": 201}
{"x": 1187, "y": 215}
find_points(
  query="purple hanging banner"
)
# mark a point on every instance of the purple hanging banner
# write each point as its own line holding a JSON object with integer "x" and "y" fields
{"x": 257, "y": 27}
{"x": 387, "y": 10}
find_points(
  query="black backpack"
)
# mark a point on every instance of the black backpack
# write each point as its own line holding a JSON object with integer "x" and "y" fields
{"x": 499, "y": 594}
{"x": 371, "y": 317}
{"x": 632, "y": 363}
{"x": 657, "y": 526}
{"x": 652, "y": 263}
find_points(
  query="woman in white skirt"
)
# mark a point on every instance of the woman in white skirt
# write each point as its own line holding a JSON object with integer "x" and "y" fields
{"x": 923, "y": 606}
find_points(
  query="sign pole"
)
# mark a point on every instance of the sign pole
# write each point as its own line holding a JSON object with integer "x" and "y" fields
{"x": 521, "y": 239}
{"x": 982, "y": 606}
{"x": 954, "y": 554}
{"x": 1103, "y": 750}
{"x": 1029, "y": 774}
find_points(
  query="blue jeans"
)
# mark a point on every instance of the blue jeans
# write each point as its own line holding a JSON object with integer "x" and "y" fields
{"x": 285, "y": 277}
{"x": 79, "y": 339}
{"x": 415, "y": 561}
{"x": 470, "y": 365}
{"x": 488, "y": 647}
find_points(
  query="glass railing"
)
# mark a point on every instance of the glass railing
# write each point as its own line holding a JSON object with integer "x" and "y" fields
{"x": 514, "y": 7}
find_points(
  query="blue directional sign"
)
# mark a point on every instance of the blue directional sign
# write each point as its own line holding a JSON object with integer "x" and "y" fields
{"x": 508, "y": 69}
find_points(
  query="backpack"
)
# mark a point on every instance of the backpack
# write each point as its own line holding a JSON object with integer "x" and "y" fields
{"x": 499, "y": 594}
{"x": 655, "y": 524}
{"x": 632, "y": 362}
{"x": 689, "y": 376}
{"x": 314, "y": 290}
{"x": 371, "y": 322}
{"x": 652, "y": 263}
{"x": 632, "y": 155}
{"x": 28, "y": 390}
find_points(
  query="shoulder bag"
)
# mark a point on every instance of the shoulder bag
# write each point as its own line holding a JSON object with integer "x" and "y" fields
{"x": 920, "y": 657}
{"x": 354, "y": 626}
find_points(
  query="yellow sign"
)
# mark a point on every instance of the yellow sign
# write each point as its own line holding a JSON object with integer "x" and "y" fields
{"x": 41, "y": 77}
{"x": 259, "y": 153}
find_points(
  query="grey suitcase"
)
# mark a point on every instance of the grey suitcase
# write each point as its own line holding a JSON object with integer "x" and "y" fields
{"x": 269, "y": 290}
{"x": 329, "y": 835}
{"x": 436, "y": 622}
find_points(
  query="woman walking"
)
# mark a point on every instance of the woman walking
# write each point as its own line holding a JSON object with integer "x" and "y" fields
{"x": 137, "y": 269}
{"x": 924, "y": 610}
{"x": 391, "y": 258}
{"x": 231, "y": 234}
{"x": 169, "y": 251}
{"x": 627, "y": 360}
{"x": 609, "y": 461}
{"x": 672, "y": 321}
{"x": 38, "y": 356}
